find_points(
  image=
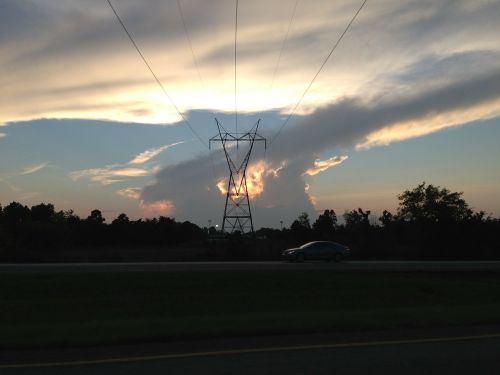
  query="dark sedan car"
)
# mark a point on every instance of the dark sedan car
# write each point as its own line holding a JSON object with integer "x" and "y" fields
{"x": 317, "y": 250}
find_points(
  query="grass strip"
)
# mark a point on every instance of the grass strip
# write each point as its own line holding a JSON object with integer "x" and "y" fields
{"x": 63, "y": 309}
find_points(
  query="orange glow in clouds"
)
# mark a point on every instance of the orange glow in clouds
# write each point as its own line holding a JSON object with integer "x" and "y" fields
{"x": 158, "y": 208}
{"x": 255, "y": 180}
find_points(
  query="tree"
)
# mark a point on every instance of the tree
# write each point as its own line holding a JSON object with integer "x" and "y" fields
{"x": 386, "y": 219}
{"x": 96, "y": 217}
{"x": 43, "y": 212}
{"x": 325, "y": 223}
{"x": 70, "y": 217}
{"x": 304, "y": 220}
{"x": 16, "y": 214}
{"x": 429, "y": 203}
{"x": 122, "y": 219}
{"x": 356, "y": 218}
{"x": 301, "y": 227}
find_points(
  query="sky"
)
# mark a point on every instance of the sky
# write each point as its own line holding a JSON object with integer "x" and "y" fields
{"x": 410, "y": 94}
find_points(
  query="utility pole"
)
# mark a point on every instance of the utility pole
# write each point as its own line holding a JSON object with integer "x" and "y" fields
{"x": 237, "y": 211}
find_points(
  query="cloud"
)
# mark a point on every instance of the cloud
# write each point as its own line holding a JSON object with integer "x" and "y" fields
{"x": 109, "y": 174}
{"x": 149, "y": 209}
{"x": 38, "y": 38}
{"x": 114, "y": 173}
{"x": 29, "y": 196}
{"x": 147, "y": 155}
{"x": 346, "y": 123}
{"x": 158, "y": 208}
{"x": 323, "y": 165}
{"x": 355, "y": 121}
{"x": 34, "y": 168}
{"x": 130, "y": 193}
{"x": 192, "y": 188}
{"x": 405, "y": 69}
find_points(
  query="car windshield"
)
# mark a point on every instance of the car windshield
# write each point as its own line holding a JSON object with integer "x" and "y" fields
{"x": 309, "y": 244}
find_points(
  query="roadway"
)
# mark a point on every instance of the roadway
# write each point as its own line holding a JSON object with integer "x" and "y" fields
{"x": 346, "y": 266}
{"x": 471, "y": 351}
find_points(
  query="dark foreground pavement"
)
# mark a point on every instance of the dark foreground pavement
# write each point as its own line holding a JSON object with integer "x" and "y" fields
{"x": 346, "y": 266}
{"x": 443, "y": 351}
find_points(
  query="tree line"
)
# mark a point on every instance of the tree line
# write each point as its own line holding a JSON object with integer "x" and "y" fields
{"x": 430, "y": 223}
{"x": 42, "y": 227}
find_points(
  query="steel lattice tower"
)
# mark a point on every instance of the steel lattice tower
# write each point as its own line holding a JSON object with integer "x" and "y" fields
{"x": 237, "y": 211}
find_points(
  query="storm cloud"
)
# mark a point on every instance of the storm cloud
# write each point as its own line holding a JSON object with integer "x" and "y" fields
{"x": 345, "y": 124}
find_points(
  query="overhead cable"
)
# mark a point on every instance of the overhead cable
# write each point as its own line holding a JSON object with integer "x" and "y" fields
{"x": 202, "y": 82}
{"x": 284, "y": 43}
{"x": 235, "y": 65}
{"x": 153, "y": 73}
{"x": 195, "y": 60}
{"x": 318, "y": 72}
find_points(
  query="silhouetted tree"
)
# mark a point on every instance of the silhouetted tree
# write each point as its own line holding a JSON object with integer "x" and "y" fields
{"x": 325, "y": 224}
{"x": 43, "y": 212}
{"x": 431, "y": 223}
{"x": 357, "y": 218}
{"x": 301, "y": 228}
{"x": 122, "y": 219}
{"x": 386, "y": 219}
{"x": 304, "y": 220}
{"x": 65, "y": 217}
{"x": 212, "y": 231}
{"x": 15, "y": 214}
{"x": 95, "y": 217}
{"x": 429, "y": 203}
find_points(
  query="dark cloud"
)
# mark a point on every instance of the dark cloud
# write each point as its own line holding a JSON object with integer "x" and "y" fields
{"x": 451, "y": 67}
{"x": 350, "y": 120}
{"x": 19, "y": 19}
{"x": 191, "y": 187}
{"x": 340, "y": 125}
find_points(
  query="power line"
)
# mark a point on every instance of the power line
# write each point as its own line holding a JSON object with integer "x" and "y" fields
{"x": 235, "y": 64}
{"x": 195, "y": 60}
{"x": 319, "y": 71}
{"x": 153, "y": 73}
{"x": 202, "y": 82}
{"x": 284, "y": 43}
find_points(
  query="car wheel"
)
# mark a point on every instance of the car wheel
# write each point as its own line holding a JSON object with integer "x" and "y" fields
{"x": 300, "y": 258}
{"x": 338, "y": 258}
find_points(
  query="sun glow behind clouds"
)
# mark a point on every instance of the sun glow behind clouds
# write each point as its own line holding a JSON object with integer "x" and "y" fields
{"x": 255, "y": 180}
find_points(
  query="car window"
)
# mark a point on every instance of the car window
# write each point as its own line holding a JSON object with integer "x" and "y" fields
{"x": 308, "y": 245}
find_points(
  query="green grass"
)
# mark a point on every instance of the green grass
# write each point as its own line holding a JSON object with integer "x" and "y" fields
{"x": 97, "y": 308}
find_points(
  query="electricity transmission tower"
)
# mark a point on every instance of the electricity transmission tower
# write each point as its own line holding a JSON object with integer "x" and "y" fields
{"x": 237, "y": 212}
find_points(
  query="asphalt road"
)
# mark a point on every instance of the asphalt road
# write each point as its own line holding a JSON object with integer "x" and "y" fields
{"x": 346, "y": 266}
{"x": 455, "y": 355}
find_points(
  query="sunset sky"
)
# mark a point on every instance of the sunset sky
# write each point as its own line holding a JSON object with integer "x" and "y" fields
{"x": 411, "y": 94}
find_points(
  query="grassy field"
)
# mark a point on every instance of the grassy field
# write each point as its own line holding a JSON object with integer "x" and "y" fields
{"x": 98, "y": 308}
